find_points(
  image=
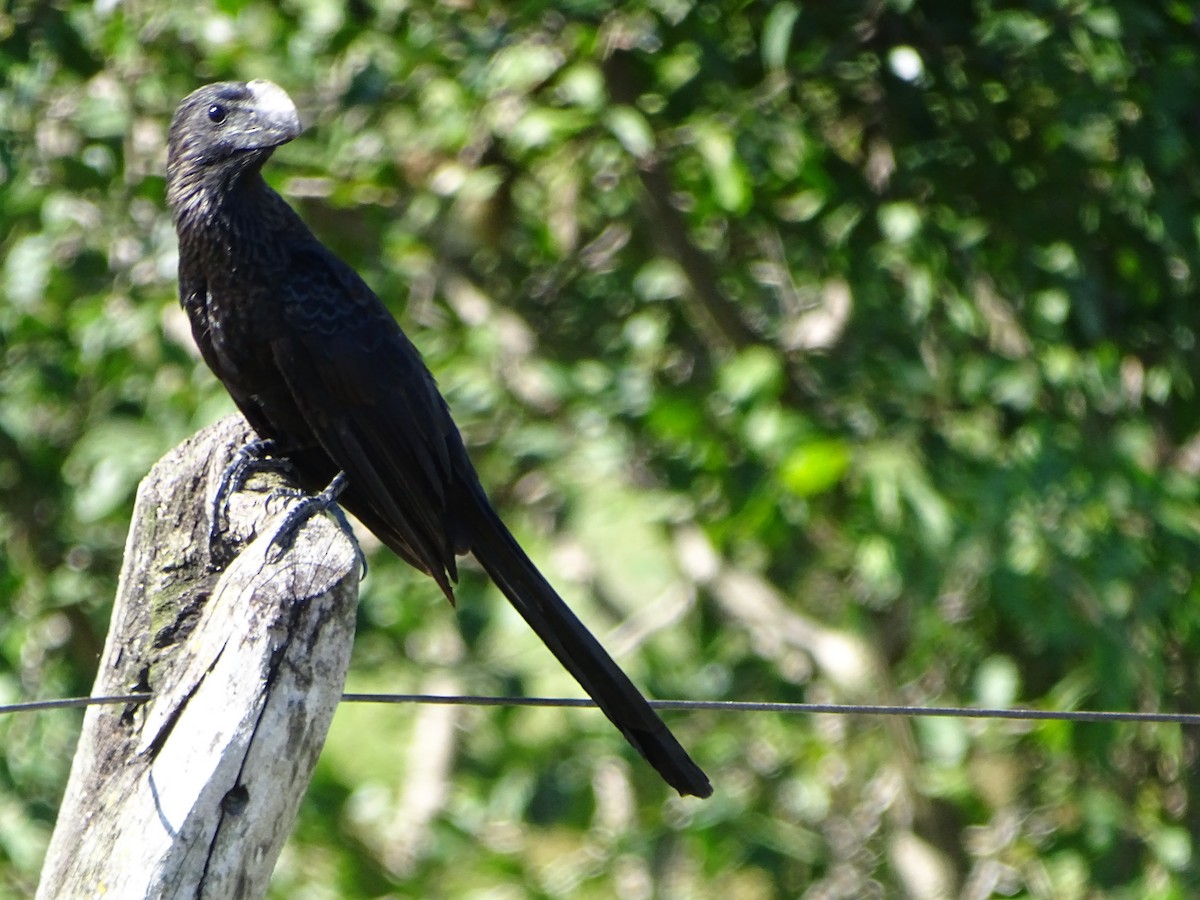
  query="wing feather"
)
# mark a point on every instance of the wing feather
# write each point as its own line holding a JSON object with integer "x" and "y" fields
{"x": 374, "y": 408}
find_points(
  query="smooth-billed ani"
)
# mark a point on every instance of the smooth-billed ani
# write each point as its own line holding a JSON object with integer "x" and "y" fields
{"x": 323, "y": 372}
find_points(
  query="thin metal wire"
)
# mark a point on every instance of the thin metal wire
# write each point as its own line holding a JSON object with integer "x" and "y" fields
{"x": 71, "y": 703}
{"x": 837, "y": 709}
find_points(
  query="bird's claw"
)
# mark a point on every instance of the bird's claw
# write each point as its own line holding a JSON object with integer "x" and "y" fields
{"x": 304, "y": 510}
{"x": 255, "y": 456}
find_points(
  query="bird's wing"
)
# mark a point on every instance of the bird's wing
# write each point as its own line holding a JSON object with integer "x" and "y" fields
{"x": 374, "y": 408}
{"x": 371, "y": 403}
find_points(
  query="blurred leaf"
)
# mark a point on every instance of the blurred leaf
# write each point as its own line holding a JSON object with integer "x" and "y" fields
{"x": 777, "y": 34}
{"x": 815, "y": 467}
{"x": 730, "y": 181}
{"x": 997, "y": 683}
{"x": 1016, "y": 29}
{"x": 756, "y": 372}
{"x": 631, "y": 129}
{"x": 522, "y": 66}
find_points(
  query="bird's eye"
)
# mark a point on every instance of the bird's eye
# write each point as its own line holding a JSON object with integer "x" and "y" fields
{"x": 216, "y": 113}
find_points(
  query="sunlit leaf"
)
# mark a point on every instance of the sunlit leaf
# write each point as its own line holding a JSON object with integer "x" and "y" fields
{"x": 815, "y": 467}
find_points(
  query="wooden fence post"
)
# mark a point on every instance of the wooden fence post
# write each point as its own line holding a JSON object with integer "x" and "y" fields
{"x": 193, "y": 793}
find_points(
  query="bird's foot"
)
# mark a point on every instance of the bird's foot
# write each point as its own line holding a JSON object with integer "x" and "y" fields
{"x": 255, "y": 456}
{"x": 305, "y": 509}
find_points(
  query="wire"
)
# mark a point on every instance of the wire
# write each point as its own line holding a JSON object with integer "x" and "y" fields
{"x": 839, "y": 709}
{"x": 71, "y": 703}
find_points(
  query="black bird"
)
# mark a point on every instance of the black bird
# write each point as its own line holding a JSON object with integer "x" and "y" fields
{"x": 324, "y": 374}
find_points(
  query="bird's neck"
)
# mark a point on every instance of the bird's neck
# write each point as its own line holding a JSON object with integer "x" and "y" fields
{"x": 223, "y": 202}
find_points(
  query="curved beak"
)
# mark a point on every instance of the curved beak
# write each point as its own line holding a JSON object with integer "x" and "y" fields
{"x": 276, "y": 113}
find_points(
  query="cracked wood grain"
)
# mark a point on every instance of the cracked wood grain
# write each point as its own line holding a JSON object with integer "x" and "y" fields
{"x": 194, "y": 793}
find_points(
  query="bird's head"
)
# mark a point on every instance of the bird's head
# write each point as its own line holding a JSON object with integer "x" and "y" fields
{"x": 225, "y": 130}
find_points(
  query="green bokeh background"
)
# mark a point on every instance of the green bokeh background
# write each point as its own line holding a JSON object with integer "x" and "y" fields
{"x": 831, "y": 352}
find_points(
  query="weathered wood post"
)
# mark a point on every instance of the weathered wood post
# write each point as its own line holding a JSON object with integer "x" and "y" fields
{"x": 193, "y": 793}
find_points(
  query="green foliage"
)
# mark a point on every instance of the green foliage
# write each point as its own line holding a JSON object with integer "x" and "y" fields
{"x": 836, "y": 351}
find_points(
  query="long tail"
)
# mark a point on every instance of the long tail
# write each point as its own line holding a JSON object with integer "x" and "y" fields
{"x": 580, "y": 653}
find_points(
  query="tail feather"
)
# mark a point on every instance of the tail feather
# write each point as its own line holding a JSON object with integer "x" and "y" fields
{"x": 580, "y": 653}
